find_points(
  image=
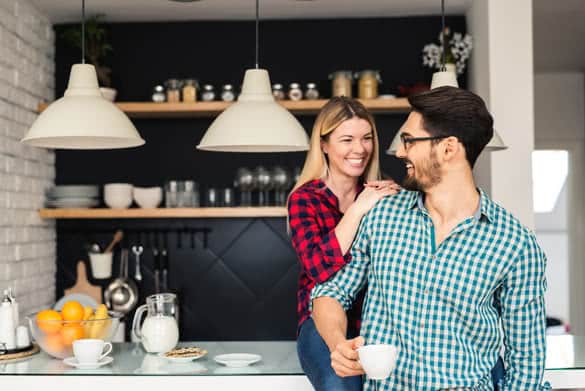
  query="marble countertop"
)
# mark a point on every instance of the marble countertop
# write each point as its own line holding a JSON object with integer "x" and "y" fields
{"x": 130, "y": 359}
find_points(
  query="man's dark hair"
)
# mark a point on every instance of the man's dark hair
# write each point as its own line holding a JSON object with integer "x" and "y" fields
{"x": 450, "y": 111}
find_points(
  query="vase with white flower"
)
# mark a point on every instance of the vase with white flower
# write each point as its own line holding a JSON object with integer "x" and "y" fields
{"x": 457, "y": 51}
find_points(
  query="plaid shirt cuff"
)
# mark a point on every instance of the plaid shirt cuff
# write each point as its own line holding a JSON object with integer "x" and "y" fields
{"x": 328, "y": 289}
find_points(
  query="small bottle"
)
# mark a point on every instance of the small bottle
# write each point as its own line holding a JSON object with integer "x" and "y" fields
{"x": 208, "y": 93}
{"x": 7, "y": 326}
{"x": 311, "y": 92}
{"x": 173, "y": 90}
{"x": 227, "y": 93}
{"x": 189, "y": 90}
{"x": 341, "y": 83}
{"x": 294, "y": 92}
{"x": 278, "y": 92}
{"x": 14, "y": 307}
{"x": 158, "y": 95}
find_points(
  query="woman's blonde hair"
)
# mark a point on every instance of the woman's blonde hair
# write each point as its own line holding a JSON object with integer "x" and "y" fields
{"x": 336, "y": 111}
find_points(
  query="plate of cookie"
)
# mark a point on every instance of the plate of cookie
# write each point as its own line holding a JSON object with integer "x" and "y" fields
{"x": 184, "y": 354}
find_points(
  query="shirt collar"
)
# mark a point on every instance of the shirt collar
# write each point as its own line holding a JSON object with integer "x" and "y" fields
{"x": 486, "y": 207}
{"x": 321, "y": 187}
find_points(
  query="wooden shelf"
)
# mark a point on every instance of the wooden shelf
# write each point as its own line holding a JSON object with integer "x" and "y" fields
{"x": 162, "y": 213}
{"x": 211, "y": 109}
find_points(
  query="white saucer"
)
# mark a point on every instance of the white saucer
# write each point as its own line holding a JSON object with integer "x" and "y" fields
{"x": 182, "y": 359}
{"x": 72, "y": 361}
{"x": 237, "y": 360}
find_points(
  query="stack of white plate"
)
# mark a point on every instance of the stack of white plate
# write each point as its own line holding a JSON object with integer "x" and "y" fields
{"x": 73, "y": 196}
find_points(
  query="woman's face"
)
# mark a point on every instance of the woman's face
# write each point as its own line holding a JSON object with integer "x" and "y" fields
{"x": 349, "y": 147}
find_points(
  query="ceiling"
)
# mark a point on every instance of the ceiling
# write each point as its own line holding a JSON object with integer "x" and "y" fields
{"x": 63, "y": 11}
{"x": 558, "y": 24}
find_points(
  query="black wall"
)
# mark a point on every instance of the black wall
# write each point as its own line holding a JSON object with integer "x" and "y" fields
{"x": 146, "y": 54}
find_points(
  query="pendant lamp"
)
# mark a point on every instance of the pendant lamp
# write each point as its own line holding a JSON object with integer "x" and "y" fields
{"x": 82, "y": 118}
{"x": 447, "y": 78}
{"x": 256, "y": 122}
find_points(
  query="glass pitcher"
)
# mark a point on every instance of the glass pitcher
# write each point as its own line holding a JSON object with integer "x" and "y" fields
{"x": 159, "y": 332}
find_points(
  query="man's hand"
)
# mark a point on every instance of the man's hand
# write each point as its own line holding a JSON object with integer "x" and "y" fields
{"x": 344, "y": 358}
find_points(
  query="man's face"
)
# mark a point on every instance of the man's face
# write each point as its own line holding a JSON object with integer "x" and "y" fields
{"x": 423, "y": 169}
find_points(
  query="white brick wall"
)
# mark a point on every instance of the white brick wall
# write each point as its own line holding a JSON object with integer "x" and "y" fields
{"x": 27, "y": 243}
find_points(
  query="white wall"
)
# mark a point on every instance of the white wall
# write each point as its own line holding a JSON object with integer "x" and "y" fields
{"x": 27, "y": 244}
{"x": 502, "y": 73}
{"x": 559, "y": 101}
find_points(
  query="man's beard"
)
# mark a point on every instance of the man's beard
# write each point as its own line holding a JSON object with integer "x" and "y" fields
{"x": 429, "y": 173}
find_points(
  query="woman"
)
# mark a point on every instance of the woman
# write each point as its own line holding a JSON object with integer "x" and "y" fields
{"x": 338, "y": 185}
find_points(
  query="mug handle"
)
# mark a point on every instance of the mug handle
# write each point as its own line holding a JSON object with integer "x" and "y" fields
{"x": 108, "y": 347}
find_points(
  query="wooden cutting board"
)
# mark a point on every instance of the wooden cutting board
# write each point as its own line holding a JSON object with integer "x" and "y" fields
{"x": 82, "y": 285}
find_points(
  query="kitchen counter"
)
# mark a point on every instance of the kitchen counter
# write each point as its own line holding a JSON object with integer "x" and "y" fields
{"x": 278, "y": 370}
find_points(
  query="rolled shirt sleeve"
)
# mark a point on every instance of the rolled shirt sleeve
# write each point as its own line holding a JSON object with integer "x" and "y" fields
{"x": 524, "y": 320}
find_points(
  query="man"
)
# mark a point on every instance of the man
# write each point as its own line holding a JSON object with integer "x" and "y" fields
{"x": 451, "y": 274}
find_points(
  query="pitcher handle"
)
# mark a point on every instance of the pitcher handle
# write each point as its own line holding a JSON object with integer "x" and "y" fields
{"x": 137, "y": 320}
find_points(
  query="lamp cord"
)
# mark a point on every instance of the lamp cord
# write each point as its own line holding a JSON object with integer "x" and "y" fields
{"x": 257, "y": 23}
{"x": 83, "y": 31}
{"x": 443, "y": 67}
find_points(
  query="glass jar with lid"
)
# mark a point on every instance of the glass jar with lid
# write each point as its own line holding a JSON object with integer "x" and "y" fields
{"x": 208, "y": 93}
{"x": 295, "y": 92}
{"x": 368, "y": 84}
{"x": 278, "y": 91}
{"x": 341, "y": 83}
{"x": 311, "y": 92}
{"x": 227, "y": 93}
{"x": 173, "y": 90}
{"x": 158, "y": 95}
{"x": 190, "y": 90}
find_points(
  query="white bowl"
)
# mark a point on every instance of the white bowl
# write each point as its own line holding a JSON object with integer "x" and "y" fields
{"x": 118, "y": 195}
{"x": 148, "y": 197}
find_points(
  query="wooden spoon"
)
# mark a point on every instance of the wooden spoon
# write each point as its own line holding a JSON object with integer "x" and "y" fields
{"x": 118, "y": 236}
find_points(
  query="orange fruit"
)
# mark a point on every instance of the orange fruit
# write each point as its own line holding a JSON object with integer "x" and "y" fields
{"x": 50, "y": 321}
{"x": 71, "y": 332}
{"x": 72, "y": 311}
{"x": 54, "y": 343}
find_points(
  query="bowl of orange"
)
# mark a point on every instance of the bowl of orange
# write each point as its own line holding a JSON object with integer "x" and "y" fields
{"x": 55, "y": 331}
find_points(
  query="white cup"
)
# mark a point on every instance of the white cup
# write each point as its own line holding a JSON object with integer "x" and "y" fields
{"x": 101, "y": 265}
{"x": 378, "y": 361}
{"x": 91, "y": 351}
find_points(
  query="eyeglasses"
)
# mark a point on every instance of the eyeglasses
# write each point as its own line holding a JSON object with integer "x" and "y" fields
{"x": 406, "y": 140}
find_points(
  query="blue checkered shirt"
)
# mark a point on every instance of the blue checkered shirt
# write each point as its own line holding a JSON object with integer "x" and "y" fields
{"x": 450, "y": 307}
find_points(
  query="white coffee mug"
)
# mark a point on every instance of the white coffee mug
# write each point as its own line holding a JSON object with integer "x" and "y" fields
{"x": 378, "y": 361}
{"x": 91, "y": 351}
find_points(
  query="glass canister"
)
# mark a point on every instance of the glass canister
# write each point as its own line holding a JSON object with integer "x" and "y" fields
{"x": 295, "y": 92}
{"x": 190, "y": 90}
{"x": 341, "y": 83}
{"x": 158, "y": 94}
{"x": 227, "y": 93}
{"x": 208, "y": 93}
{"x": 311, "y": 92}
{"x": 278, "y": 91}
{"x": 368, "y": 84}
{"x": 173, "y": 90}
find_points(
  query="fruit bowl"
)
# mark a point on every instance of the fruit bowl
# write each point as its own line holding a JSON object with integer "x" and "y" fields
{"x": 55, "y": 337}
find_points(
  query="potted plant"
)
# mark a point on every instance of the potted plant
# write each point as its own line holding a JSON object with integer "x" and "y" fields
{"x": 97, "y": 48}
{"x": 457, "y": 50}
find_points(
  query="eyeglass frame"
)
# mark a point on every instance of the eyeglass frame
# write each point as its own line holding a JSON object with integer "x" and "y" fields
{"x": 405, "y": 140}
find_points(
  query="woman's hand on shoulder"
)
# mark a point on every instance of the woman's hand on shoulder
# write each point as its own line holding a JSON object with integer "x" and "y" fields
{"x": 372, "y": 193}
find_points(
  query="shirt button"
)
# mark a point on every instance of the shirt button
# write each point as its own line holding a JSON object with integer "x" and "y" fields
{"x": 427, "y": 291}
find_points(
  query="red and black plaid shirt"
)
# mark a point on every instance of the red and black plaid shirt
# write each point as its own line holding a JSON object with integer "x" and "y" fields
{"x": 314, "y": 212}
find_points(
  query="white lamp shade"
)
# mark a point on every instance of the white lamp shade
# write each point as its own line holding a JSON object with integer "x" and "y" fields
{"x": 83, "y": 119}
{"x": 255, "y": 123}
